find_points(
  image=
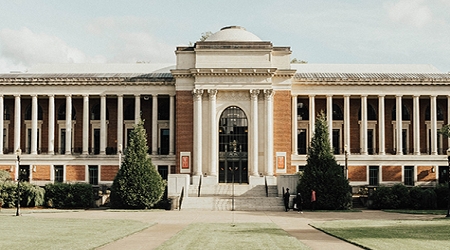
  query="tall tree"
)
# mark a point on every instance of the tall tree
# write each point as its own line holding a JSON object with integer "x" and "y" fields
{"x": 137, "y": 183}
{"x": 323, "y": 174}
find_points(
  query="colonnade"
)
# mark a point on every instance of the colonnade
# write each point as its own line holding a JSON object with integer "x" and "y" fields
{"x": 86, "y": 120}
{"x": 364, "y": 122}
{"x": 253, "y": 127}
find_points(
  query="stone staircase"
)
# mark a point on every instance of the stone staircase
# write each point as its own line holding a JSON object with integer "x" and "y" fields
{"x": 246, "y": 198}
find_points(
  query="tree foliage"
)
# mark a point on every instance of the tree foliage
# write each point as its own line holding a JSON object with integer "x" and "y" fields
{"x": 323, "y": 174}
{"x": 137, "y": 183}
{"x": 295, "y": 60}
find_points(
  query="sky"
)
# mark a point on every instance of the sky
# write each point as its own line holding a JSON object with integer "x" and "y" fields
{"x": 319, "y": 31}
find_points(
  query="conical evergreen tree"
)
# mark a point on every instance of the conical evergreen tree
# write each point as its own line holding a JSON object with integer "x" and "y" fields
{"x": 323, "y": 174}
{"x": 137, "y": 183}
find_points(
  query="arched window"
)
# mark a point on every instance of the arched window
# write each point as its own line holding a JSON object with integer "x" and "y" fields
{"x": 28, "y": 112}
{"x": 405, "y": 113}
{"x": 62, "y": 112}
{"x": 95, "y": 113}
{"x": 302, "y": 111}
{"x": 371, "y": 113}
{"x": 440, "y": 115}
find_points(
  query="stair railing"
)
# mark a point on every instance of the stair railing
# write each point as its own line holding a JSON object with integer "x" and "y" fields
{"x": 181, "y": 198}
{"x": 267, "y": 188}
{"x": 199, "y": 185}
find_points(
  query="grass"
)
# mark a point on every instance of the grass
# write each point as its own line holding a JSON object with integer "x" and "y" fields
{"x": 410, "y": 211}
{"x": 333, "y": 211}
{"x": 31, "y": 211}
{"x": 226, "y": 236}
{"x": 391, "y": 234}
{"x": 26, "y": 232}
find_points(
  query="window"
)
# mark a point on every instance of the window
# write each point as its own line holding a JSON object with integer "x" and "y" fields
{"x": 302, "y": 111}
{"x": 59, "y": 173}
{"x": 409, "y": 175}
{"x": 93, "y": 175}
{"x": 95, "y": 113}
{"x": 164, "y": 141}
{"x": 62, "y": 112}
{"x": 336, "y": 141}
{"x": 129, "y": 112}
{"x": 163, "y": 108}
{"x": 163, "y": 171}
{"x": 301, "y": 143}
{"x": 373, "y": 175}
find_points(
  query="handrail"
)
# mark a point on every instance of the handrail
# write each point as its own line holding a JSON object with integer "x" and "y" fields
{"x": 181, "y": 198}
{"x": 267, "y": 188}
{"x": 199, "y": 185}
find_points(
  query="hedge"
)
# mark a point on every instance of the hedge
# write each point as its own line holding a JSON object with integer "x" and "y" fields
{"x": 399, "y": 196}
{"x": 30, "y": 195}
{"x": 64, "y": 195}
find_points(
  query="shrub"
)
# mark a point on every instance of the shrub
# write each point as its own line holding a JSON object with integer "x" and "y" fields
{"x": 442, "y": 193}
{"x": 416, "y": 194}
{"x": 401, "y": 193}
{"x": 4, "y": 176}
{"x": 137, "y": 184}
{"x": 30, "y": 195}
{"x": 383, "y": 197}
{"x": 64, "y": 195}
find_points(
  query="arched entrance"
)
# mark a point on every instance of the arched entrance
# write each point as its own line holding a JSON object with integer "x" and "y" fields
{"x": 233, "y": 146}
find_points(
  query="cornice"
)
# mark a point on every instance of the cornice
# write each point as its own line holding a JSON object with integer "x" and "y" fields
{"x": 372, "y": 82}
{"x": 84, "y": 81}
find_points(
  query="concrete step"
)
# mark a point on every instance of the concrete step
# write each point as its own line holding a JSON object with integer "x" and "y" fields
{"x": 240, "y": 203}
{"x": 228, "y": 190}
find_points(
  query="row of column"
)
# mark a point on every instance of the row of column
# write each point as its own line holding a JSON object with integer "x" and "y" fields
{"x": 68, "y": 124}
{"x": 213, "y": 160}
{"x": 381, "y": 122}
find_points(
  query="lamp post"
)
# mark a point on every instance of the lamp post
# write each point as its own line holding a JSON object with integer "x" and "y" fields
{"x": 120, "y": 155}
{"x": 346, "y": 161}
{"x": 448, "y": 179}
{"x": 18, "y": 153}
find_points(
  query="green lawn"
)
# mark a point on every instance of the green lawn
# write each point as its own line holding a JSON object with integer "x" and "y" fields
{"x": 26, "y": 232}
{"x": 226, "y": 236}
{"x": 391, "y": 234}
{"x": 410, "y": 211}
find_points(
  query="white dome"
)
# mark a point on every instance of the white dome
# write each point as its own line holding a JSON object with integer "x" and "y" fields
{"x": 233, "y": 33}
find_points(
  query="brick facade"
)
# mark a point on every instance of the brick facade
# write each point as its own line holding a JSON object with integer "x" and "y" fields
{"x": 42, "y": 173}
{"x": 392, "y": 173}
{"x": 75, "y": 173}
{"x": 357, "y": 173}
{"x": 108, "y": 172}
{"x": 425, "y": 173}
{"x": 8, "y": 168}
{"x": 184, "y": 125}
{"x": 282, "y": 115}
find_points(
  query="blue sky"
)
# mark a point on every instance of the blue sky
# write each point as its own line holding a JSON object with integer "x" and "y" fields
{"x": 319, "y": 31}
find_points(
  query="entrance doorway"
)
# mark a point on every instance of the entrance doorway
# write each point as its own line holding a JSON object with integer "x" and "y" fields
{"x": 24, "y": 173}
{"x": 233, "y": 146}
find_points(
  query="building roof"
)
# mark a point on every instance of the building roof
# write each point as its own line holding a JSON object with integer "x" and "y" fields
{"x": 233, "y": 33}
{"x": 364, "y": 68}
{"x": 104, "y": 68}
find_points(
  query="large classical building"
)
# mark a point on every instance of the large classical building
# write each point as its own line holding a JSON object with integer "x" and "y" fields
{"x": 232, "y": 110}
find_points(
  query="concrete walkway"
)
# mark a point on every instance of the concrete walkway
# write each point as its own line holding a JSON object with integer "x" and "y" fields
{"x": 170, "y": 223}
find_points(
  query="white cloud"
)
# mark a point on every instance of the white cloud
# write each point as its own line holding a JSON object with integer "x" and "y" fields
{"x": 412, "y": 12}
{"x": 25, "y": 48}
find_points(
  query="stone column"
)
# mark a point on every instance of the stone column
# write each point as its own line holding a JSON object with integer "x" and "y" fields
{"x": 120, "y": 121}
{"x": 364, "y": 124}
{"x": 85, "y": 124}
{"x": 416, "y": 117}
{"x": 155, "y": 125}
{"x": 294, "y": 125}
{"x": 102, "y": 124}
{"x": 172, "y": 125}
{"x": 17, "y": 122}
{"x": 51, "y": 124}
{"x": 381, "y": 125}
{"x": 330, "y": 119}
{"x": 34, "y": 124}
{"x": 312, "y": 117}
{"x": 433, "y": 116}
{"x": 399, "y": 121}
{"x": 448, "y": 118}
{"x": 347, "y": 123}
{"x": 68, "y": 124}
{"x": 137, "y": 108}
{"x": 2, "y": 114}
{"x": 197, "y": 161}
{"x": 269, "y": 130}
{"x": 254, "y": 132}
{"x": 213, "y": 132}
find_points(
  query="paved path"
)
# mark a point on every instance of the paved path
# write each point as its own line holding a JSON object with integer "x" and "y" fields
{"x": 170, "y": 223}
